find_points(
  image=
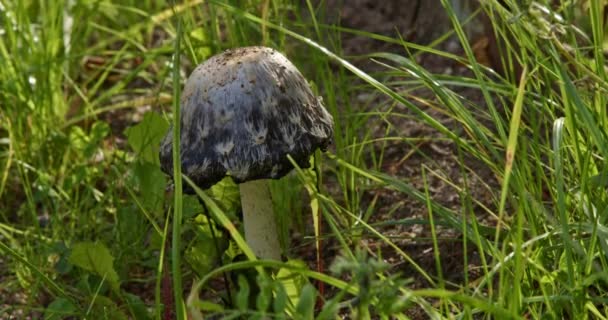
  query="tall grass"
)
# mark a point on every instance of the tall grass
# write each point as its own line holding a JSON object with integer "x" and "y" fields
{"x": 72, "y": 177}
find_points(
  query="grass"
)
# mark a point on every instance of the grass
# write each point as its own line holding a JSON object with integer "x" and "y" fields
{"x": 85, "y": 212}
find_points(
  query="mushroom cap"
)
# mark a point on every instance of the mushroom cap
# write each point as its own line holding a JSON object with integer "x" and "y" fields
{"x": 242, "y": 112}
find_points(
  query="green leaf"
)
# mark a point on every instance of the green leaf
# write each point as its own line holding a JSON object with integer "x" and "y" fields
{"x": 60, "y": 309}
{"x": 208, "y": 306}
{"x": 151, "y": 182}
{"x": 599, "y": 180}
{"x": 99, "y": 130}
{"x": 85, "y": 143}
{"x": 227, "y": 195}
{"x": 145, "y": 137}
{"x": 60, "y": 254}
{"x": 306, "y": 306}
{"x": 203, "y": 51}
{"x": 201, "y": 254}
{"x": 279, "y": 303}
{"x": 330, "y": 309}
{"x": 293, "y": 282}
{"x": 191, "y": 206}
{"x": 131, "y": 229}
{"x": 105, "y": 308}
{"x": 242, "y": 296}
{"x": 78, "y": 138}
{"x": 96, "y": 258}
{"x": 264, "y": 297}
{"x": 138, "y": 308}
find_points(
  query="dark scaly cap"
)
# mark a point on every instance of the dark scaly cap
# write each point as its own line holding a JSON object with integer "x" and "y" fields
{"x": 242, "y": 112}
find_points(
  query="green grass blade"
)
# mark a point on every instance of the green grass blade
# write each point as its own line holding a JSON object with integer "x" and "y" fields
{"x": 177, "y": 178}
{"x": 511, "y": 149}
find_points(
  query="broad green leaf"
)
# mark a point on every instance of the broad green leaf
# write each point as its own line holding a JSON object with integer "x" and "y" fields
{"x": 330, "y": 309}
{"x": 242, "y": 296}
{"x": 131, "y": 229}
{"x": 88, "y": 144}
{"x": 78, "y": 138}
{"x": 60, "y": 254}
{"x": 306, "y": 306}
{"x": 227, "y": 195}
{"x": 96, "y": 258}
{"x": 151, "y": 182}
{"x": 201, "y": 253}
{"x": 203, "y": 51}
{"x": 145, "y": 137}
{"x": 138, "y": 308}
{"x": 105, "y": 308}
{"x": 264, "y": 297}
{"x": 191, "y": 206}
{"x": 199, "y": 35}
{"x": 61, "y": 308}
{"x": 279, "y": 303}
{"x": 208, "y": 306}
{"x": 99, "y": 130}
{"x": 293, "y": 282}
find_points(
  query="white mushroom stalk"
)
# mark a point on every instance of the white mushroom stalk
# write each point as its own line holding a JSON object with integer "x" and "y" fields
{"x": 261, "y": 231}
{"x": 243, "y": 112}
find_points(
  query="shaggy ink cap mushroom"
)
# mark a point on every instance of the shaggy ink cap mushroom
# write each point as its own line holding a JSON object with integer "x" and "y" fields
{"x": 243, "y": 112}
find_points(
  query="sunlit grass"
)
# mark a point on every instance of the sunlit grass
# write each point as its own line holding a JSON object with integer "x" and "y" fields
{"x": 72, "y": 174}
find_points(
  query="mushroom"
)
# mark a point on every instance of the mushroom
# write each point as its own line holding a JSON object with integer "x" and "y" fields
{"x": 243, "y": 112}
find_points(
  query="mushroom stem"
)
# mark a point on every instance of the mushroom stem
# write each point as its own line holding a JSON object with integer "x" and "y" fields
{"x": 259, "y": 220}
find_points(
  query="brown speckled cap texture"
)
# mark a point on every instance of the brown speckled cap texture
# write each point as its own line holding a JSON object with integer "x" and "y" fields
{"x": 242, "y": 112}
